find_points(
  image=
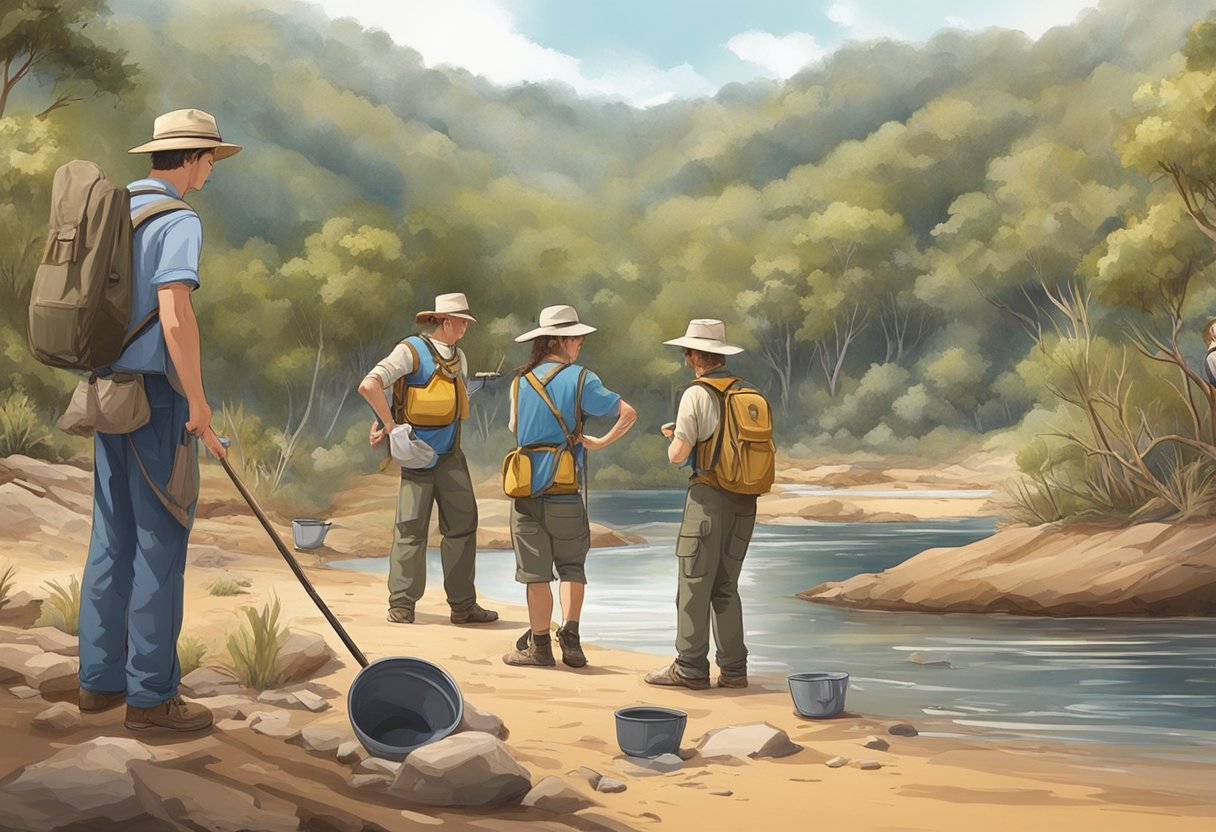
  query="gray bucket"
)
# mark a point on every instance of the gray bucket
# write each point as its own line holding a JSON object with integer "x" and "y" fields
{"x": 648, "y": 730}
{"x": 309, "y": 533}
{"x": 819, "y": 695}
{"x": 401, "y": 703}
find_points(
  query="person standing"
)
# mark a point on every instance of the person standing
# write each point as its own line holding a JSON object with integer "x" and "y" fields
{"x": 145, "y": 483}
{"x": 724, "y": 426}
{"x": 550, "y": 398}
{"x": 428, "y": 375}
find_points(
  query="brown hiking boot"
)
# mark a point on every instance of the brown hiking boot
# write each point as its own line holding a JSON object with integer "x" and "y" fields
{"x": 732, "y": 680}
{"x": 175, "y": 714}
{"x": 401, "y": 615}
{"x": 96, "y": 701}
{"x": 475, "y": 614}
{"x": 572, "y": 648}
{"x": 671, "y": 677}
{"x": 528, "y": 653}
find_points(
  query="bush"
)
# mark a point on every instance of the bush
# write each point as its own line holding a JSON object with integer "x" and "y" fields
{"x": 21, "y": 428}
{"x": 61, "y": 609}
{"x": 227, "y": 586}
{"x": 254, "y": 648}
{"x": 190, "y": 653}
{"x": 6, "y": 583}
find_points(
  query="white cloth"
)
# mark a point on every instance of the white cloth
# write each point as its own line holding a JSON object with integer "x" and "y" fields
{"x": 407, "y": 449}
{"x": 400, "y": 363}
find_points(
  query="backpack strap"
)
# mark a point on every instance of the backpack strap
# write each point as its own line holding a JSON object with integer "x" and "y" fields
{"x": 539, "y": 387}
{"x": 720, "y": 434}
{"x": 450, "y": 365}
{"x": 156, "y": 208}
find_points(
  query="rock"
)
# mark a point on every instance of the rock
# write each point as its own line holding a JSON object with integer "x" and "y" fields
{"x": 687, "y": 754}
{"x": 902, "y": 729}
{"x": 210, "y": 681}
{"x": 837, "y": 762}
{"x": 418, "y": 817}
{"x": 870, "y": 765}
{"x": 20, "y": 609}
{"x": 475, "y": 719}
{"x": 351, "y": 752}
{"x": 272, "y": 724}
{"x": 230, "y": 724}
{"x": 590, "y": 775}
{"x": 86, "y": 785}
{"x": 924, "y": 661}
{"x": 13, "y": 658}
{"x": 228, "y": 706}
{"x": 59, "y": 717}
{"x": 876, "y": 744}
{"x": 23, "y": 691}
{"x": 302, "y": 655}
{"x": 379, "y": 765}
{"x": 23, "y": 514}
{"x": 610, "y": 785}
{"x": 191, "y": 801}
{"x": 50, "y": 640}
{"x": 553, "y": 794}
{"x": 469, "y": 770}
{"x": 311, "y": 701}
{"x": 300, "y": 699}
{"x": 662, "y": 764}
{"x": 755, "y": 740}
{"x": 323, "y": 736}
{"x": 52, "y": 673}
{"x": 374, "y": 782}
{"x": 722, "y": 793}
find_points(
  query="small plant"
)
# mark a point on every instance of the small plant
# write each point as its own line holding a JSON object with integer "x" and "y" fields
{"x": 190, "y": 653}
{"x": 227, "y": 586}
{"x": 61, "y": 609}
{"x": 254, "y": 648}
{"x": 22, "y": 430}
{"x": 6, "y": 583}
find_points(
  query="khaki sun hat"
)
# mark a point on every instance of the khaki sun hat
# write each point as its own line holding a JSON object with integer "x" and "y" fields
{"x": 557, "y": 320}
{"x": 453, "y": 304}
{"x": 187, "y": 130}
{"x": 706, "y": 335}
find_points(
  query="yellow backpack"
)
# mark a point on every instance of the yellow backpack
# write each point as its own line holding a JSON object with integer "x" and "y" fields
{"x": 517, "y": 464}
{"x": 740, "y": 457}
{"x": 441, "y": 401}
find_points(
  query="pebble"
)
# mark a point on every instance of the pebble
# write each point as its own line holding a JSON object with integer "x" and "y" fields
{"x": 902, "y": 729}
{"x": 876, "y": 744}
{"x": 22, "y": 691}
{"x": 609, "y": 785}
{"x": 722, "y": 793}
{"x": 59, "y": 717}
{"x": 418, "y": 817}
{"x": 870, "y": 765}
{"x": 837, "y": 762}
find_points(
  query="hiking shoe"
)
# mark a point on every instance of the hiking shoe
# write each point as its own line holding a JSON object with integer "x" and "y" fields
{"x": 732, "y": 680}
{"x": 401, "y": 615}
{"x": 475, "y": 614}
{"x": 530, "y": 654}
{"x": 572, "y": 648}
{"x": 96, "y": 701}
{"x": 175, "y": 714}
{"x": 671, "y": 677}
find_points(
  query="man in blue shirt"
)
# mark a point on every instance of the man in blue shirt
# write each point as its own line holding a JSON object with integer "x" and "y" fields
{"x": 145, "y": 483}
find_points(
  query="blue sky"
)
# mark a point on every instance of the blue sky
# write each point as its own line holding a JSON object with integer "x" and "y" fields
{"x": 650, "y": 52}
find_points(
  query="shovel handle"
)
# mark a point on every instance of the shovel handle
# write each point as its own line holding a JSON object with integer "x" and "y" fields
{"x": 295, "y": 567}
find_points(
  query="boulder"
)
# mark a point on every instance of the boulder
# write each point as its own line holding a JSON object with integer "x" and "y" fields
{"x": 13, "y": 658}
{"x": 191, "y": 801}
{"x": 20, "y": 609}
{"x": 324, "y": 736}
{"x": 52, "y": 673}
{"x": 210, "y": 681}
{"x": 50, "y": 640}
{"x": 754, "y": 740}
{"x": 470, "y": 770}
{"x": 475, "y": 719}
{"x": 59, "y": 717}
{"x": 23, "y": 514}
{"x": 902, "y": 729}
{"x": 302, "y": 655}
{"x": 553, "y": 794}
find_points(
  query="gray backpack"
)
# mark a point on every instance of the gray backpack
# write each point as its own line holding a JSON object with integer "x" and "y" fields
{"x": 81, "y": 300}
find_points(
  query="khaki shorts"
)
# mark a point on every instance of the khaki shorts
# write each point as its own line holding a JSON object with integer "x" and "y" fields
{"x": 550, "y": 535}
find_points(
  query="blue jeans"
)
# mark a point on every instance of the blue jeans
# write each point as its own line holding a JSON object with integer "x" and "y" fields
{"x": 131, "y": 598}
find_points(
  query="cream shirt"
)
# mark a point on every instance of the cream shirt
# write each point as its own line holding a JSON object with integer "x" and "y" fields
{"x": 400, "y": 363}
{"x": 698, "y": 415}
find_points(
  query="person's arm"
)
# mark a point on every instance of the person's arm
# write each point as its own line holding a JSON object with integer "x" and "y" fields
{"x": 398, "y": 363}
{"x": 678, "y": 451}
{"x": 624, "y": 421}
{"x": 182, "y": 342}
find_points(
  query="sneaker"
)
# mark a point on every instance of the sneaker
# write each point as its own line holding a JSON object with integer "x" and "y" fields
{"x": 732, "y": 680}
{"x": 401, "y": 615}
{"x": 175, "y": 714}
{"x": 475, "y": 614}
{"x": 572, "y": 648}
{"x": 671, "y": 677}
{"x": 528, "y": 653}
{"x": 96, "y": 701}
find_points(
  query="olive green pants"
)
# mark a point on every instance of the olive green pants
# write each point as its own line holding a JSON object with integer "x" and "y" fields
{"x": 714, "y": 536}
{"x": 447, "y": 484}
{"x": 550, "y": 534}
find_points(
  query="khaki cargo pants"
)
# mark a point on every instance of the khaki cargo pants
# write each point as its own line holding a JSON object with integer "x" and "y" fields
{"x": 449, "y": 485}
{"x": 714, "y": 536}
{"x": 550, "y": 534}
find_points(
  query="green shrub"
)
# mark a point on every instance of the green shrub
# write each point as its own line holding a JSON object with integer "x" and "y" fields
{"x": 190, "y": 653}
{"x": 227, "y": 586}
{"x": 254, "y": 648}
{"x": 22, "y": 430}
{"x": 6, "y": 582}
{"x": 61, "y": 609}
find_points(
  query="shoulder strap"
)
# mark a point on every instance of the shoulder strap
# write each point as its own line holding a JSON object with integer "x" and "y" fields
{"x": 720, "y": 433}
{"x": 515, "y": 407}
{"x": 544, "y": 394}
{"x": 578, "y": 402}
{"x": 156, "y": 208}
{"x": 413, "y": 354}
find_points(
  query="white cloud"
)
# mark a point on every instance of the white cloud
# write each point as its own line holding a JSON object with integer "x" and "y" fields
{"x": 956, "y": 22}
{"x": 1034, "y": 17}
{"x": 781, "y": 55}
{"x": 842, "y": 14}
{"x": 481, "y": 36}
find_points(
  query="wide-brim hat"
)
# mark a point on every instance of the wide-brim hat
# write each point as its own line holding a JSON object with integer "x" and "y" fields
{"x": 187, "y": 130}
{"x": 453, "y": 305}
{"x": 557, "y": 320}
{"x": 706, "y": 335}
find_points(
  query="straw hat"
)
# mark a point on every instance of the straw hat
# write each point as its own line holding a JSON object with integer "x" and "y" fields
{"x": 557, "y": 320}
{"x": 453, "y": 304}
{"x": 706, "y": 335}
{"x": 187, "y": 130}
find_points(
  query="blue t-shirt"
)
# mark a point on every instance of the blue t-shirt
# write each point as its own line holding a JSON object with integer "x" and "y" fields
{"x": 166, "y": 250}
{"x": 537, "y": 425}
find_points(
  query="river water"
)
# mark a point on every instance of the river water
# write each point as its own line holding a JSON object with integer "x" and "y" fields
{"x": 1149, "y": 683}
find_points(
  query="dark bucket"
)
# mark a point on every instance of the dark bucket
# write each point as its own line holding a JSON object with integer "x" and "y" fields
{"x": 819, "y": 695}
{"x": 401, "y": 703}
{"x": 648, "y": 730}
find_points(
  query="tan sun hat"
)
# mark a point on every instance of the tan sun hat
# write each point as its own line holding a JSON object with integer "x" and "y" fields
{"x": 706, "y": 335}
{"x": 453, "y": 304}
{"x": 187, "y": 130}
{"x": 557, "y": 320}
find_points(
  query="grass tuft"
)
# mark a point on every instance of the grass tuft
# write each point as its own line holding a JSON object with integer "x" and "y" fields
{"x": 61, "y": 609}
{"x": 190, "y": 653}
{"x": 254, "y": 648}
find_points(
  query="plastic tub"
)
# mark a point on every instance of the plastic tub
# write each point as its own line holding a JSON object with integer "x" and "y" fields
{"x": 648, "y": 730}
{"x": 309, "y": 533}
{"x": 401, "y": 703}
{"x": 818, "y": 695}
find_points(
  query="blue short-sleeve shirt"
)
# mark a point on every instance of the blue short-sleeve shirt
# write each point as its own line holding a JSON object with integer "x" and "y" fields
{"x": 166, "y": 250}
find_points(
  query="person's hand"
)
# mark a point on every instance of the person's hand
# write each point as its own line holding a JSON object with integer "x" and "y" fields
{"x": 593, "y": 443}
{"x": 199, "y": 420}
{"x": 668, "y": 430}
{"x": 377, "y": 435}
{"x": 213, "y": 443}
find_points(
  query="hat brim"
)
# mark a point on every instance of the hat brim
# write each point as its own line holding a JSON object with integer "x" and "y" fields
{"x": 706, "y": 345}
{"x": 222, "y": 149}
{"x": 566, "y": 331}
{"x": 422, "y": 316}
